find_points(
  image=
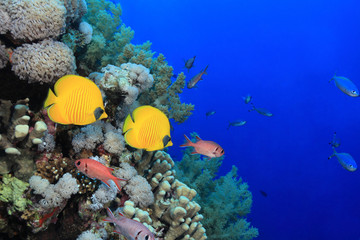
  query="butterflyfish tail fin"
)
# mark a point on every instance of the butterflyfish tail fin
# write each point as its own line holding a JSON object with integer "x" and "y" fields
{"x": 50, "y": 100}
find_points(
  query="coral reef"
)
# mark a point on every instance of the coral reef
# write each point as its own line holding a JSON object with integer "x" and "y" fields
{"x": 61, "y": 202}
{"x": 17, "y": 127}
{"x": 4, "y": 56}
{"x": 43, "y": 62}
{"x": 225, "y": 201}
{"x": 11, "y": 192}
{"x": 34, "y": 19}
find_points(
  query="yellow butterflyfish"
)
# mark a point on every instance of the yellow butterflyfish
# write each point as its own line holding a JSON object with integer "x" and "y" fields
{"x": 147, "y": 128}
{"x": 75, "y": 100}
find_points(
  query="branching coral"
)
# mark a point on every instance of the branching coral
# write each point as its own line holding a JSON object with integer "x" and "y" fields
{"x": 225, "y": 201}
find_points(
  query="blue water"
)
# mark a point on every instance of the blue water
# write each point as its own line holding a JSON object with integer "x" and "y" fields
{"x": 283, "y": 53}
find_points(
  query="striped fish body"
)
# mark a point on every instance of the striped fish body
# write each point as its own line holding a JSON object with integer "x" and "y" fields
{"x": 147, "y": 128}
{"x": 77, "y": 100}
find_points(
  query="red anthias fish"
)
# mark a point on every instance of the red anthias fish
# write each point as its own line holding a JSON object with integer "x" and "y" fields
{"x": 208, "y": 148}
{"x": 94, "y": 169}
{"x": 131, "y": 229}
{"x": 196, "y": 78}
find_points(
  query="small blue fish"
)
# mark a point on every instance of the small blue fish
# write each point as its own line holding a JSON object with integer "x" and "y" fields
{"x": 346, "y": 86}
{"x": 190, "y": 63}
{"x": 247, "y": 99}
{"x": 346, "y": 160}
{"x": 237, "y": 124}
{"x": 262, "y": 111}
{"x": 210, "y": 113}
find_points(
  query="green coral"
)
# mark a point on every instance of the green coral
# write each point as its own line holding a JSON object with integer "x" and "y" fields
{"x": 225, "y": 201}
{"x": 111, "y": 45}
{"x": 11, "y": 191}
{"x": 74, "y": 39}
{"x": 109, "y": 38}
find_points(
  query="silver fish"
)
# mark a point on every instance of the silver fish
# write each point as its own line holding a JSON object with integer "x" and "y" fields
{"x": 247, "y": 99}
{"x": 189, "y": 63}
{"x": 196, "y": 78}
{"x": 262, "y": 111}
{"x": 237, "y": 124}
{"x": 346, "y": 86}
{"x": 131, "y": 229}
{"x": 210, "y": 113}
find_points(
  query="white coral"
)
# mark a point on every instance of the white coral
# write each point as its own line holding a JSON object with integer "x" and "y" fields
{"x": 86, "y": 29}
{"x": 39, "y": 184}
{"x": 54, "y": 195}
{"x": 67, "y": 186}
{"x": 137, "y": 187}
{"x": 88, "y": 235}
{"x": 36, "y": 19}
{"x": 102, "y": 196}
{"x": 89, "y": 137}
{"x": 139, "y": 191}
{"x": 126, "y": 81}
{"x": 43, "y": 62}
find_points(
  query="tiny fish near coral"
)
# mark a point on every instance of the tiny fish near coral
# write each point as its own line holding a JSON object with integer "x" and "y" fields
{"x": 131, "y": 229}
{"x": 94, "y": 169}
{"x": 190, "y": 63}
{"x": 208, "y": 148}
{"x": 77, "y": 100}
{"x": 196, "y": 78}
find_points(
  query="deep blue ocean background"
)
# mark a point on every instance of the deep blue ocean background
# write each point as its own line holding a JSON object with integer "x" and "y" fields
{"x": 283, "y": 53}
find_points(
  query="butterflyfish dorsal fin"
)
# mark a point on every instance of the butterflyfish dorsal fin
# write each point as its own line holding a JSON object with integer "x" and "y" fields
{"x": 50, "y": 100}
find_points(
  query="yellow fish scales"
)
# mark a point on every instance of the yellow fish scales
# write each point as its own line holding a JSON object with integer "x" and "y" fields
{"x": 77, "y": 100}
{"x": 147, "y": 128}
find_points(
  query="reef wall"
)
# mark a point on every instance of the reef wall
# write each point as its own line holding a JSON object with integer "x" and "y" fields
{"x": 42, "y": 194}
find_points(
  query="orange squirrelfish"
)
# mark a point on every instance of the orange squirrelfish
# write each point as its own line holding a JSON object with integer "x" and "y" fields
{"x": 94, "y": 169}
{"x": 208, "y": 148}
{"x": 131, "y": 229}
{"x": 196, "y": 78}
